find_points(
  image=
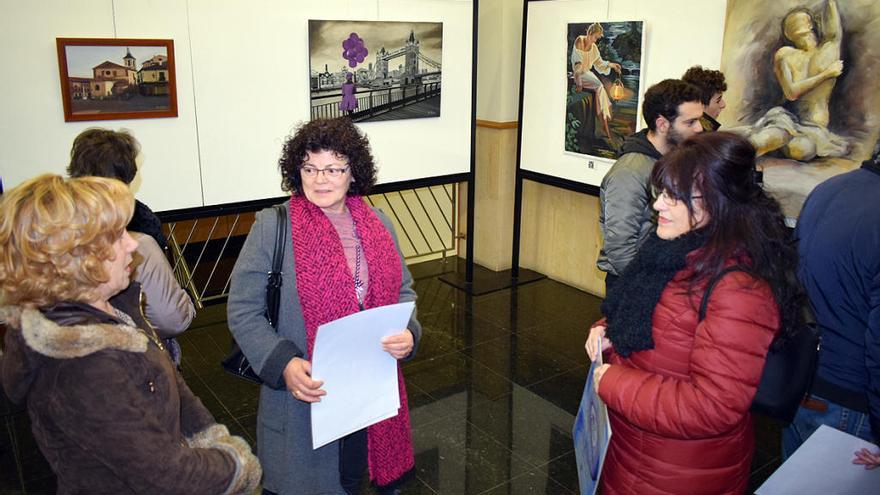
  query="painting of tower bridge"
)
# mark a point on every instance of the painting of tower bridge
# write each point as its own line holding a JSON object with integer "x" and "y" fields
{"x": 373, "y": 71}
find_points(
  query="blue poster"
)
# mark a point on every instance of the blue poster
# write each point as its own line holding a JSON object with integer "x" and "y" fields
{"x": 591, "y": 433}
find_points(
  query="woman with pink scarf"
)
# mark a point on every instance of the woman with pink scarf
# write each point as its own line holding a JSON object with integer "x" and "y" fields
{"x": 341, "y": 257}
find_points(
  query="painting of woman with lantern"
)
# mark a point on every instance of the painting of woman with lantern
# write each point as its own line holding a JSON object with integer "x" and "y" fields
{"x": 604, "y": 77}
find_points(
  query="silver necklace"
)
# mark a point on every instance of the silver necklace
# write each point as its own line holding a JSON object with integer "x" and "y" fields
{"x": 358, "y": 283}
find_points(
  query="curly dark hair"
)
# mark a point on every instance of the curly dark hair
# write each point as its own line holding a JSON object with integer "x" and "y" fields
{"x": 708, "y": 81}
{"x": 744, "y": 222}
{"x": 664, "y": 98}
{"x": 104, "y": 153}
{"x": 338, "y": 135}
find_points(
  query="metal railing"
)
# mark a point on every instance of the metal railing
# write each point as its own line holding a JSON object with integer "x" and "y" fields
{"x": 375, "y": 101}
{"x": 203, "y": 250}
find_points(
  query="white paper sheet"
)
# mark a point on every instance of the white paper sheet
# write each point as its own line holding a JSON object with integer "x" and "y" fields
{"x": 359, "y": 377}
{"x": 822, "y": 465}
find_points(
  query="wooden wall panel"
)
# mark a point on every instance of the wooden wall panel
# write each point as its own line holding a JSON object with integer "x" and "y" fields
{"x": 496, "y": 176}
{"x": 561, "y": 237}
{"x": 203, "y": 226}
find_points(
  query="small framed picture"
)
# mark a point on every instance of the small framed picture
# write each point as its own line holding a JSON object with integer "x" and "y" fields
{"x": 107, "y": 79}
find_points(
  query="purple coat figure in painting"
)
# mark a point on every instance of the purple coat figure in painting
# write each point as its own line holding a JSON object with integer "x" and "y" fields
{"x": 349, "y": 101}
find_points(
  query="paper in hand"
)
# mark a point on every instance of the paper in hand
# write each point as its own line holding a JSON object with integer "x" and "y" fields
{"x": 359, "y": 377}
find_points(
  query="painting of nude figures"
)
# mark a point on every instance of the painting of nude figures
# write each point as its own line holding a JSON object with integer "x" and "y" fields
{"x": 603, "y": 86}
{"x": 801, "y": 78}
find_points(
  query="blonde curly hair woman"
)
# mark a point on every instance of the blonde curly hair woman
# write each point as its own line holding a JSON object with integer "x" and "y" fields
{"x": 108, "y": 409}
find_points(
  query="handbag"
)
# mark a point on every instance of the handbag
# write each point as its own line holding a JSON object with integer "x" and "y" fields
{"x": 236, "y": 362}
{"x": 789, "y": 367}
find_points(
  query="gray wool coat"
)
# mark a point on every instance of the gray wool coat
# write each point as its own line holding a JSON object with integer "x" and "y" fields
{"x": 284, "y": 439}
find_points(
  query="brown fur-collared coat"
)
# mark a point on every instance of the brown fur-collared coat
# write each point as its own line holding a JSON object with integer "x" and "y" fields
{"x": 109, "y": 411}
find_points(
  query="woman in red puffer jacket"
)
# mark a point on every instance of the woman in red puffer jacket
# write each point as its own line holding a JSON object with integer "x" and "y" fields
{"x": 678, "y": 389}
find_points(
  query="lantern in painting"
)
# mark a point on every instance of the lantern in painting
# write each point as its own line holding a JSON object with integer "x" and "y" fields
{"x": 617, "y": 90}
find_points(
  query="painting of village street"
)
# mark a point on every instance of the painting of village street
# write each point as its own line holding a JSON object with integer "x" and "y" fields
{"x": 374, "y": 71}
{"x": 604, "y": 61}
{"x": 116, "y": 79}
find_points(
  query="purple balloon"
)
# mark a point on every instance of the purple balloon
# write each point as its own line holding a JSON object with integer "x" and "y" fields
{"x": 354, "y": 50}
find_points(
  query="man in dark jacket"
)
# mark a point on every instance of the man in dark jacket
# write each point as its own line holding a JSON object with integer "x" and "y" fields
{"x": 838, "y": 238}
{"x": 672, "y": 111}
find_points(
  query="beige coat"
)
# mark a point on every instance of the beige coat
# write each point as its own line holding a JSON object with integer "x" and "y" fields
{"x": 168, "y": 307}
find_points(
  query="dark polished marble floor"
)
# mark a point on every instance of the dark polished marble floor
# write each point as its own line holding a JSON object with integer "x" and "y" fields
{"x": 493, "y": 393}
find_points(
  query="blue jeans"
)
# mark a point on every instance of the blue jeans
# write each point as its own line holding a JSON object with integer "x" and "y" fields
{"x": 806, "y": 421}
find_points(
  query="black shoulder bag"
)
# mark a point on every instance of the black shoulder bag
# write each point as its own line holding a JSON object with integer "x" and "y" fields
{"x": 236, "y": 362}
{"x": 788, "y": 370}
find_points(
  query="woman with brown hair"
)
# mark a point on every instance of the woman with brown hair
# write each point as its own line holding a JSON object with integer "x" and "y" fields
{"x": 341, "y": 257}
{"x": 108, "y": 409}
{"x": 108, "y": 153}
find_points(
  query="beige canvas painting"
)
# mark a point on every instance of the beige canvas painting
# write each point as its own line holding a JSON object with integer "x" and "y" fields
{"x": 802, "y": 81}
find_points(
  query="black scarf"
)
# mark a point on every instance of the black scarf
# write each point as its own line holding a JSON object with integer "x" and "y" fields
{"x": 629, "y": 305}
{"x": 145, "y": 221}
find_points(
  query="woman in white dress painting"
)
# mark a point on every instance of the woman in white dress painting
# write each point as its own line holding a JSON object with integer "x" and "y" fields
{"x": 585, "y": 56}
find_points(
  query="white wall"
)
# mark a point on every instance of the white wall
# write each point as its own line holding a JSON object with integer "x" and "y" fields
{"x": 33, "y": 135}
{"x": 500, "y": 43}
{"x": 678, "y": 34}
{"x": 242, "y": 85}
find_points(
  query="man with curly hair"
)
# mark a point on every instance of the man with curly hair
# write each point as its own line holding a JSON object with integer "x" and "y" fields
{"x": 712, "y": 86}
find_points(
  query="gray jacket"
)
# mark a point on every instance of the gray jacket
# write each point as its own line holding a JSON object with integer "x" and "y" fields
{"x": 284, "y": 436}
{"x": 625, "y": 214}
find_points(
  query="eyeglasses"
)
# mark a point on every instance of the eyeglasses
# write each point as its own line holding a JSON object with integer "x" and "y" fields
{"x": 329, "y": 172}
{"x": 669, "y": 200}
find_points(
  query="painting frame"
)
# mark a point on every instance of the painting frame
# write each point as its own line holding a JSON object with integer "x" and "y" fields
{"x": 595, "y": 129}
{"x": 351, "y": 69}
{"x": 119, "y": 98}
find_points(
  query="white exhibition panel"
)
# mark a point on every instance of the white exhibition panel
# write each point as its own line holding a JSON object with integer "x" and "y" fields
{"x": 35, "y": 139}
{"x": 242, "y": 87}
{"x": 499, "y": 55}
{"x": 261, "y": 50}
{"x": 678, "y": 34}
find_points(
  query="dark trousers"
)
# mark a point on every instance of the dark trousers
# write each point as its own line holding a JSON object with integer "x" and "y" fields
{"x": 352, "y": 461}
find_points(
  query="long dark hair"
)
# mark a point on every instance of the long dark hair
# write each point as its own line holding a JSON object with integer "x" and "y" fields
{"x": 745, "y": 224}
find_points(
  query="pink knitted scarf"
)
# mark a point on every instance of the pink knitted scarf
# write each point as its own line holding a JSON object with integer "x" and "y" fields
{"x": 326, "y": 292}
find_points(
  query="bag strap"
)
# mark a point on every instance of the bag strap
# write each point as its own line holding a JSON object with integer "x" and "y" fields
{"x": 280, "y": 231}
{"x": 704, "y": 303}
{"x": 275, "y": 277}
